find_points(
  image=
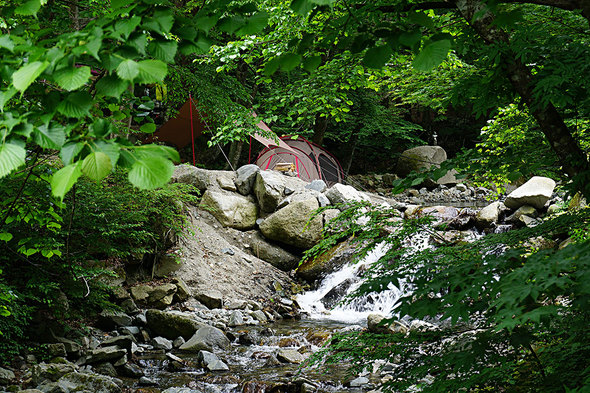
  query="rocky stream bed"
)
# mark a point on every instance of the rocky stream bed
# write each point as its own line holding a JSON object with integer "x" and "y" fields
{"x": 222, "y": 314}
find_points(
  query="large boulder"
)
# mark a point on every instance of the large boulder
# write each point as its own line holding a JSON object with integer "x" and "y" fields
{"x": 206, "y": 338}
{"x": 535, "y": 192}
{"x": 171, "y": 324}
{"x": 489, "y": 215}
{"x": 189, "y": 174}
{"x": 211, "y": 298}
{"x": 341, "y": 194}
{"x": 328, "y": 262}
{"x": 290, "y": 225}
{"x": 231, "y": 210}
{"x": 246, "y": 175}
{"x": 271, "y": 253}
{"x": 105, "y": 354}
{"x": 269, "y": 187}
{"x": 419, "y": 159}
{"x": 78, "y": 382}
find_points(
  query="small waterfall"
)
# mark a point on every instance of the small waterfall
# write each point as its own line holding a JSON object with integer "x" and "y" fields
{"x": 325, "y": 301}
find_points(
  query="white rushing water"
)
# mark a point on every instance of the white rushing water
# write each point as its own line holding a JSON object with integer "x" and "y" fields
{"x": 337, "y": 285}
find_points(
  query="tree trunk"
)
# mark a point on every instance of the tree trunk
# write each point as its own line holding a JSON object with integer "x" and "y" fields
{"x": 349, "y": 151}
{"x": 235, "y": 151}
{"x": 570, "y": 155}
{"x": 319, "y": 129}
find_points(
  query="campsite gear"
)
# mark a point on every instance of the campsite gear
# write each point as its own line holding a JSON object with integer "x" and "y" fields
{"x": 311, "y": 161}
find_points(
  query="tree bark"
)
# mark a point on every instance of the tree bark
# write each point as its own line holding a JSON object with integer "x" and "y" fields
{"x": 319, "y": 129}
{"x": 235, "y": 151}
{"x": 571, "y": 156}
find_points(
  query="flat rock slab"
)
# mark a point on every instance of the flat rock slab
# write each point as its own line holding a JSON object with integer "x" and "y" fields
{"x": 535, "y": 192}
{"x": 171, "y": 324}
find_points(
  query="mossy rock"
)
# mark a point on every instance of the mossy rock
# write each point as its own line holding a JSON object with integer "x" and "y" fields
{"x": 328, "y": 262}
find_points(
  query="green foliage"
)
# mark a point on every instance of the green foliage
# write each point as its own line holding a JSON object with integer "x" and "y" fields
{"x": 513, "y": 312}
{"x": 58, "y": 253}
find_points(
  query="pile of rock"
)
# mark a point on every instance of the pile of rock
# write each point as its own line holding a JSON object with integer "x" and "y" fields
{"x": 279, "y": 206}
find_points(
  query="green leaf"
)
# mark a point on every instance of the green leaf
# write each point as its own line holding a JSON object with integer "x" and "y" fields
{"x": 6, "y": 42}
{"x": 148, "y": 128}
{"x": 301, "y": 7}
{"x": 310, "y": 64}
{"x": 128, "y": 69}
{"x": 151, "y": 71}
{"x": 12, "y": 156}
{"x": 150, "y": 172}
{"x": 111, "y": 86}
{"x": 232, "y": 23}
{"x": 255, "y": 24}
{"x": 323, "y": 2}
{"x": 76, "y": 105}
{"x": 110, "y": 148}
{"x": 5, "y": 236}
{"x": 96, "y": 166}
{"x": 165, "y": 19}
{"x": 206, "y": 23}
{"x": 64, "y": 179}
{"x": 69, "y": 151}
{"x": 27, "y": 74}
{"x": 159, "y": 150}
{"x": 72, "y": 78}
{"x": 127, "y": 26}
{"x": 289, "y": 61}
{"x": 163, "y": 50}
{"x": 101, "y": 128}
{"x": 30, "y": 7}
{"x": 49, "y": 137}
{"x": 421, "y": 19}
{"x": 377, "y": 57}
{"x": 432, "y": 55}
{"x": 410, "y": 38}
{"x": 5, "y": 96}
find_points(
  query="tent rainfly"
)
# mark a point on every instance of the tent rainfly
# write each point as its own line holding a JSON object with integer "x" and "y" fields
{"x": 309, "y": 160}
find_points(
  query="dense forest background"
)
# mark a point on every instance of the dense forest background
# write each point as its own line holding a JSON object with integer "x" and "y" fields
{"x": 503, "y": 86}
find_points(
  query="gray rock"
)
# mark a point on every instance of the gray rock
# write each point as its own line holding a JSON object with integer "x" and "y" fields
{"x": 206, "y": 338}
{"x": 342, "y": 194}
{"x": 51, "y": 371}
{"x": 123, "y": 341}
{"x": 323, "y": 200}
{"x": 419, "y": 159}
{"x": 167, "y": 264}
{"x": 78, "y": 382}
{"x": 317, "y": 185}
{"x": 6, "y": 376}
{"x": 105, "y": 369}
{"x": 488, "y": 216}
{"x": 291, "y": 225}
{"x": 358, "y": 382}
{"x": 211, "y": 362}
{"x": 161, "y": 295}
{"x": 56, "y": 350}
{"x": 231, "y": 210}
{"x": 246, "y": 175}
{"x": 178, "y": 342}
{"x": 228, "y": 251}
{"x": 332, "y": 260}
{"x": 162, "y": 343}
{"x": 171, "y": 324}
{"x": 374, "y": 325}
{"x": 145, "y": 381}
{"x": 271, "y": 253}
{"x": 211, "y": 298}
{"x": 268, "y": 187}
{"x": 140, "y": 293}
{"x": 69, "y": 345}
{"x": 189, "y": 174}
{"x": 130, "y": 370}
{"x": 129, "y": 306}
{"x": 183, "y": 292}
{"x": 235, "y": 318}
{"x": 113, "y": 319}
{"x": 181, "y": 390}
{"x": 290, "y": 356}
{"x": 260, "y": 316}
{"x": 535, "y": 192}
{"x": 106, "y": 354}
{"x": 226, "y": 184}
{"x": 523, "y": 210}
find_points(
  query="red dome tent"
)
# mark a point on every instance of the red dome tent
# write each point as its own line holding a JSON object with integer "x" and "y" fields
{"x": 311, "y": 162}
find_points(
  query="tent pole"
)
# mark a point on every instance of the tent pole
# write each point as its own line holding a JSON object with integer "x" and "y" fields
{"x": 190, "y": 98}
